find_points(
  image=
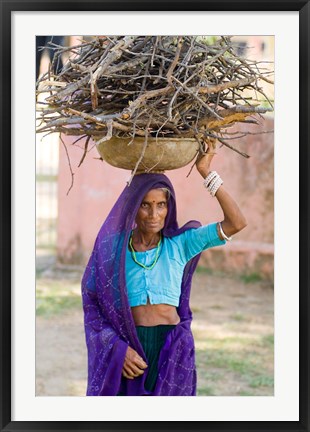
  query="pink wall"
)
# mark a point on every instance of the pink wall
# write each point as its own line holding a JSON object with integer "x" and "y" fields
{"x": 250, "y": 182}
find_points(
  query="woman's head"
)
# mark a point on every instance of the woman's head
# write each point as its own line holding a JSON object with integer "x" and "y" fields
{"x": 153, "y": 210}
{"x": 166, "y": 191}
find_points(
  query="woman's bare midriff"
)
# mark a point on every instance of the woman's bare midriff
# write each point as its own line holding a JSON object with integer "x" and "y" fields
{"x": 151, "y": 315}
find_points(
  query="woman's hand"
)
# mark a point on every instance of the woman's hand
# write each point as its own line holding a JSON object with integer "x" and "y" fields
{"x": 134, "y": 365}
{"x": 203, "y": 161}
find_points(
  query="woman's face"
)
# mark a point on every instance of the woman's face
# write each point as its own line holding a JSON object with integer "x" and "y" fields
{"x": 152, "y": 213}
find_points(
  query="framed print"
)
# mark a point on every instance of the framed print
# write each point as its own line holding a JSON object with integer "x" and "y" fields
{"x": 23, "y": 407}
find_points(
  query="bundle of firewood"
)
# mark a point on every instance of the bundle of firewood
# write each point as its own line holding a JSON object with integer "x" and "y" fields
{"x": 152, "y": 86}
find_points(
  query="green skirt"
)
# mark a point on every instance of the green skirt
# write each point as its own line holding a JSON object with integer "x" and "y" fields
{"x": 152, "y": 340}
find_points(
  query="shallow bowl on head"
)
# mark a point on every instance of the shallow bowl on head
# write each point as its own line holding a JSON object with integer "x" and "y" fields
{"x": 159, "y": 154}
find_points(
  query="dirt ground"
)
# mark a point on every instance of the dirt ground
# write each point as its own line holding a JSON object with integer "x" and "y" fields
{"x": 232, "y": 327}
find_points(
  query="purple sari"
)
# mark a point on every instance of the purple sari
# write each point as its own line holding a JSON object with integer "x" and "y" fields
{"x": 109, "y": 325}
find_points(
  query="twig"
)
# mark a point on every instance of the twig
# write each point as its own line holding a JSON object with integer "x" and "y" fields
{"x": 192, "y": 167}
{"x": 233, "y": 148}
{"x": 198, "y": 98}
{"x": 69, "y": 163}
{"x": 148, "y": 95}
{"x": 140, "y": 158}
{"x": 109, "y": 133}
{"x": 175, "y": 60}
{"x": 216, "y": 88}
{"x": 85, "y": 152}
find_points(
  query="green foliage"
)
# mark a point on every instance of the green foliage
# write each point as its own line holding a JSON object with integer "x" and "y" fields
{"x": 265, "y": 103}
{"x": 251, "y": 278}
{"x": 208, "y": 40}
{"x": 241, "y": 358}
{"x": 56, "y": 297}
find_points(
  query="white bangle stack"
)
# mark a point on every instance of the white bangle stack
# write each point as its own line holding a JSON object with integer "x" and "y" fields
{"x": 212, "y": 182}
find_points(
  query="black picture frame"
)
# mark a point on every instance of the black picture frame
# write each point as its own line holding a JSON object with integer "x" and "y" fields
{"x": 7, "y": 7}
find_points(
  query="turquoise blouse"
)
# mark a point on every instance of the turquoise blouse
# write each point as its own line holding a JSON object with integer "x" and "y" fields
{"x": 162, "y": 284}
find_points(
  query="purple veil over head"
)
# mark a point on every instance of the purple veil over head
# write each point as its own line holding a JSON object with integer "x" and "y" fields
{"x": 109, "y": 325}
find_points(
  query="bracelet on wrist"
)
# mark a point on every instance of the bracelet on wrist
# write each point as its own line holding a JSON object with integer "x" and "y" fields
{"x": 212, "y": 182}
{"x": 209, "y": 178}
{"x": 225, "y": 237}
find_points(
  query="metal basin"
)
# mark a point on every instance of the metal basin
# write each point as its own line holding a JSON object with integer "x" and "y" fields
{"x": 160, "y": 154}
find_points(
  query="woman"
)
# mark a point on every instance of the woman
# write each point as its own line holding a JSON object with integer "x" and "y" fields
{"x": 136, "y": 288}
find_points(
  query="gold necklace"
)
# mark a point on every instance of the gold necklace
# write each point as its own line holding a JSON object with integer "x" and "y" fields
{"x": 135, "y": 258}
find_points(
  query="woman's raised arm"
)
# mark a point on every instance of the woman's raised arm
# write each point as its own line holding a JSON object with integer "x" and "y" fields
{"x": 234, "y": 220}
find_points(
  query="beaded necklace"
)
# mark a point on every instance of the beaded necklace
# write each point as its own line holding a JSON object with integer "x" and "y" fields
{"x": 135, "y": 258}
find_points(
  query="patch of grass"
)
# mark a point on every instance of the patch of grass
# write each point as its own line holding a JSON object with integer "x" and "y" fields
{"x": 262, "y": 381}
{"x": 56, "y": 297}
{"x": 234, "y": 357}
{"x": 230, "y": 344}
{"x": 268, "y": 340}
{"x": 251, "y": 278}
{"x": 245, "y": 393}
{"x": 225, "y": 359}
{"x": 49, "y": 306}
{"x": 205, "y": 391}
{"x": 238, "y": 317}
{"x": 242, "y": 366}
{"x": 213, "y": 376}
